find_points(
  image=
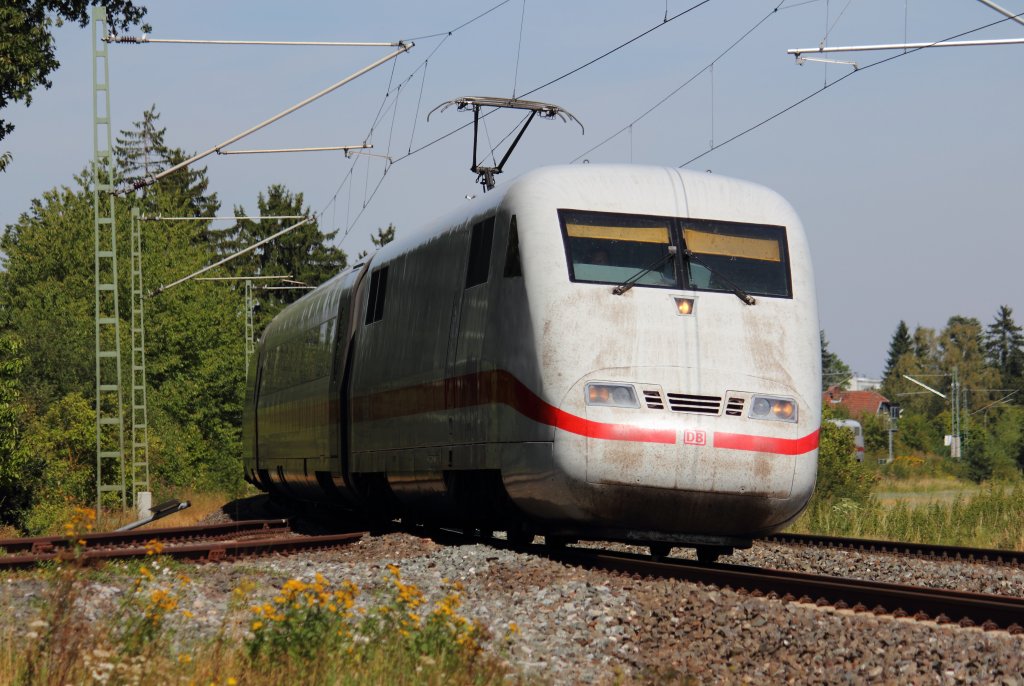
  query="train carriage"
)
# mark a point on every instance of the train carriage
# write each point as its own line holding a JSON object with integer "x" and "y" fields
{"x": 593, "y": 351}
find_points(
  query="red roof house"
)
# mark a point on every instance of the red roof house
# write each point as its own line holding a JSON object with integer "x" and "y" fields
{"x": 857, "y": 403}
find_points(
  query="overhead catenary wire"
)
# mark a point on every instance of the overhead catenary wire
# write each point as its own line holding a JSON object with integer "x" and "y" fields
{"x": 947, "y": 43}
{"x": 1005, "y": 12}
{"x": 559, "y": 78}
{"x": 519, "y": 49}
{"x": 139, "y": 40}
{"x": 160, "y": 218}
{"x": 455, "y": 130}
{"x": 683, "y": 85}
{"x": 464, "y": 24}
{"x": 243, "y": 278}
{"x": 347, "y": 179}
{"x": 344, "y": 148}
{"x": 405, "y": 47}
{"x": 227, "y": 259}
{"x": 834, "y": 83}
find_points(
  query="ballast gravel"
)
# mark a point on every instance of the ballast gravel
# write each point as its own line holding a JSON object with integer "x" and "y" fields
{"x": 565, "y": 625}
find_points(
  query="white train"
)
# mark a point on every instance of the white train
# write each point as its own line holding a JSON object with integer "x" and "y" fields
{"x": 609, "y": 352}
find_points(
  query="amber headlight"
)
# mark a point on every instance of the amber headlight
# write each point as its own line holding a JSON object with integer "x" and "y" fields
{"x": 770, "y": 407}
{"x": 610, "y": 395}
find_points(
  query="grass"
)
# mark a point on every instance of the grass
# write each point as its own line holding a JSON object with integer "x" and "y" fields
{"x": 308, "y": 631}
{"x": 979, "y": 516}
{"x": 924, "y": 491}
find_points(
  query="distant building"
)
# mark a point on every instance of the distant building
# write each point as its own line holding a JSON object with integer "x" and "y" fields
{"x": 863, "y": 383}
{"x": 856, "y": 403}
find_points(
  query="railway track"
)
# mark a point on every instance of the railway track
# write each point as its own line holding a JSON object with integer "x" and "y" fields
{"x": 206, "y": 543}
{"x": 922, "y": 550}
{"x": 943, "y": 606}
{"x": 989, "y": 612}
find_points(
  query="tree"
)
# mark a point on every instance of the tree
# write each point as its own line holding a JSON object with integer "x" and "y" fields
{"x": 899, "y": 346}
{"x": 195, "y": 346}
{"x": 304, "y": 253}
{"x": 46, "y": 291}
{"x": 141, "y": 151}
{"x": 1004, "y": 346}
{"x": 922, "y": 362}
{"x": 834, "y": 372}
{"x": 383, "y": 237}
{"x": 961, "y": 346}
{"x": 27, "y": 51}
{"x": 12, "y": 492}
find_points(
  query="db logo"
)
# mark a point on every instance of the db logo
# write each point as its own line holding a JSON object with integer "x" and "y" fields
{"x": 691, "y": 437}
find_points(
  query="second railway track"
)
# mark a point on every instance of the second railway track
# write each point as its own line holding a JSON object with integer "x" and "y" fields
{"x": 921, "y": 550}
{"x": 211, "y": 543}
{"x": 967, "y": 609}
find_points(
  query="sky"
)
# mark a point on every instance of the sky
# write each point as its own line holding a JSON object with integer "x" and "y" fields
{"x": 907, "y": 174}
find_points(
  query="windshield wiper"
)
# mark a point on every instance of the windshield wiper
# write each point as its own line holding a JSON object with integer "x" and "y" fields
{"x": 740, "y": 293}
{"x": 631, "y": 281}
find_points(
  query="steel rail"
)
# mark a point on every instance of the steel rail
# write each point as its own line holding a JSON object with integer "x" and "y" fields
{"x": 944, "y": 606}
{"x": 113, "y": 538}
{"x": 208, "y": 551}
{"x": 940, "y": 552}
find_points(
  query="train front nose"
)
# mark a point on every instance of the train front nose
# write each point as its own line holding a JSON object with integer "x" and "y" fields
{"x": 674, "y": 454}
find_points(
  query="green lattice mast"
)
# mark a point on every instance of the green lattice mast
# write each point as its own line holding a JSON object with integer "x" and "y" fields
{"x": 140, "y": 426}
{"x": 250, "y": 328}
{"x": 110, "y": 473}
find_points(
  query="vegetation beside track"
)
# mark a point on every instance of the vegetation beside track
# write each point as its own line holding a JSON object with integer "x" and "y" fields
{"x": 917, "y": 499}
{"x": 313, "y": 630}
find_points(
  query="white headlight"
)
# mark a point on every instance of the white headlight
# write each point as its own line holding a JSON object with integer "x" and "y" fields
{"x": 610, "y": 395}
{"x": 770, "y": 407}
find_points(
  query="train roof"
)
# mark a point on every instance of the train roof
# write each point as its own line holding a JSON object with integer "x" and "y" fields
{"x": 611, "y": 188}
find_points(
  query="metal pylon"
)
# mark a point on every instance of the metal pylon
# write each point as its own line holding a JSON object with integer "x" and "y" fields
{"x": 110, "y": 473}
{"x": 250, "y": 328}
{"x": 140, "y": 427}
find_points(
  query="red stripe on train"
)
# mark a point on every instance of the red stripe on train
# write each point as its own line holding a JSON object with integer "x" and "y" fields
{"x": 494, "y": 387}
{"x": 501, "y": 387}
{"x": 764, "y": 444}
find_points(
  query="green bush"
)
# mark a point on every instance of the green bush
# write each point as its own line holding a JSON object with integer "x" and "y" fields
{"x": 840, "y": 476}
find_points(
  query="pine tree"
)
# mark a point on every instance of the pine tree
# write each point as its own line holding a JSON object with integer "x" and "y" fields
{"x": 1004, "y": 346}
{"x": 834, "y": 372}
{"x": 383, "y": 237}
{"x": 303, "y": 254}
{"x": 140, "y": 151}
{"x": 900, "y": 345}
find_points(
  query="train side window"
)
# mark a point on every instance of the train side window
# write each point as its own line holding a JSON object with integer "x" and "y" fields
{"x": 480, "y": 253}
{"x": 378, "y": 289}
{"x": 513, "y": 267}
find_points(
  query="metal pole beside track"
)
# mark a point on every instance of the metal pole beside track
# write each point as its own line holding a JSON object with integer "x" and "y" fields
{"x": 110, "y": 472}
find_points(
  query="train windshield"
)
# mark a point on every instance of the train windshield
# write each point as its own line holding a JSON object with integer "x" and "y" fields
{"x": 605, "y": 248}
{"x": 608, "y": 248}
{"x": 753, "y": 257}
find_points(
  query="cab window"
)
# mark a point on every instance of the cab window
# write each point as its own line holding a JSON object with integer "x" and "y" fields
{"x": 610, "y": 248}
